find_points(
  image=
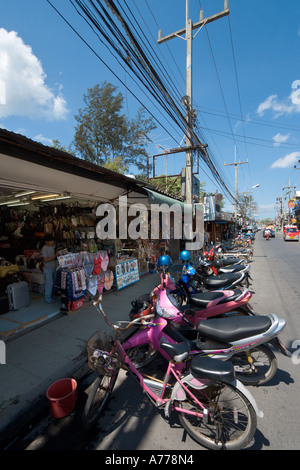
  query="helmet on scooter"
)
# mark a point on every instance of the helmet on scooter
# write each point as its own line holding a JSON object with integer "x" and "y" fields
{"x": 185, "y": 255}
{"x": 139, "y": 309}
{"x": 164, "y": 260}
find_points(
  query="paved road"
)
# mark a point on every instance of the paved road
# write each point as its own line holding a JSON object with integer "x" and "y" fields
{"x": 131, "y": 423}
{"x": 276, "y": 274}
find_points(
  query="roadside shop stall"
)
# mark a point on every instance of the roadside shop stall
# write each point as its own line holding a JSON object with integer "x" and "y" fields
{"x": 46, "y": 191}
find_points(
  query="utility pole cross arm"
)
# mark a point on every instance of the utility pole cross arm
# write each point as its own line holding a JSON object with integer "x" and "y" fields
{"x": 196, "y": 25}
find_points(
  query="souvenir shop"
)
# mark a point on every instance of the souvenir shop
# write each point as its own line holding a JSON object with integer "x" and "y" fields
{"x": 60, "y": 197}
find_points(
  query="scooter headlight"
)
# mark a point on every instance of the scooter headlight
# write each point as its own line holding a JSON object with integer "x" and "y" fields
{"x": 162, "y": 312}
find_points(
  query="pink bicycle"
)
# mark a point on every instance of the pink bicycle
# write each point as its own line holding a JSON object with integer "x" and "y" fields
{"x": 213, "y": 407}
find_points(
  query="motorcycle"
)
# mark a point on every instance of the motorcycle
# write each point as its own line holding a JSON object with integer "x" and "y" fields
{"x": 219, "y": 267}
{"x": 203, "y": 305}
{"x": 223, "y": 295}
{"x": 195, "y": 280}
{"x": 240, "y": 340}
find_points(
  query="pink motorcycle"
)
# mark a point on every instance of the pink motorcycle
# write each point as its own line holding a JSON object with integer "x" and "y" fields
{"x": 206, "y": 304}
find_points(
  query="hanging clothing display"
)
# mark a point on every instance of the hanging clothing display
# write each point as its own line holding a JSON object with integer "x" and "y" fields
{"x": 79, "y": 273}
{"x": 97, "y": 263}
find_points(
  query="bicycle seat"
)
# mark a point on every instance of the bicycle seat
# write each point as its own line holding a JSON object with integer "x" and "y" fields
{"x": 213, "y": 369}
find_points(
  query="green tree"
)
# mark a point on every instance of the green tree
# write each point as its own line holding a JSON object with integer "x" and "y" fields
{"x": 57, "y": 145}
{"x": 171, "y": 185}
{"x": 247, "y": 207}
{"x": 104, "y": 134}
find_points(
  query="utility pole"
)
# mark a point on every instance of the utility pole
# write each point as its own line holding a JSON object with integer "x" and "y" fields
{"x": 280, "y": 202}
{"x": 235, "y": 180}
{"x": 289, "y": 187}
{"x": 187, "y": 100}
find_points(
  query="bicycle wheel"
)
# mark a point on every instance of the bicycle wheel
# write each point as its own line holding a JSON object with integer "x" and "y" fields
{"x": 230, "y": 422}
{"x": 261, "y": 370}
{"x": 98, "y": 396}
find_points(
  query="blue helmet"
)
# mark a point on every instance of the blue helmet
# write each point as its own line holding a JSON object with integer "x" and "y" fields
{"x": 185, "y": 255}
{"x": 164, "y": 260}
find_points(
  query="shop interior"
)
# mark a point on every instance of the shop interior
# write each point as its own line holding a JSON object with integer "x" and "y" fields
{"x": 86, "y": 265}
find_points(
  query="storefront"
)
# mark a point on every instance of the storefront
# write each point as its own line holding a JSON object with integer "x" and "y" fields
{"x": 44, "y": 190}
{"x": 218, "y": 225}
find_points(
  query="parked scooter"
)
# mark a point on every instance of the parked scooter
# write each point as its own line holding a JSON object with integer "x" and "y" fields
{"x": 217, "y": 266}
{"x": 202, "y": 305}
{"x": 222, "y": 261}
{"x": 223, "y": 296}
{"x": 195, "y": 280}
{"x": 243, "y": 340}
{"x": 238, "y": 339}
{"x": 208, "y": 305}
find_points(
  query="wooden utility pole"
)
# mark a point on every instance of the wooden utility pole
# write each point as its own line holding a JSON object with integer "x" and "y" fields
{"x": 187, "y": 100}
{"x": 235, "y": 180}
{"x": 289, "y": 187}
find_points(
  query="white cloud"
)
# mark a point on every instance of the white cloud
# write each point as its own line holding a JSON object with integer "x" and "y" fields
{"x": 287, "y": 161}
{"x": 280, "y": 139}
{"x": 289, "y": 105}
{"x": 23, "y": 91}
{"x": 43, "y": 140}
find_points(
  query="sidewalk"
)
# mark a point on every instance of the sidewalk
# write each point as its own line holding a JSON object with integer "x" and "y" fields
{"x": 53, "y": 350}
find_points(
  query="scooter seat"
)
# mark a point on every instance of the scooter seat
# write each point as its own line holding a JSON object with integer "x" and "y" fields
{"x": 177, "y": 351}
{"x": 221, "y": 280}
{"x": 222, "y": 262}
{"x": 213, "y": 369}
{"x": 233, "y": 329}
{"x": 232, "y": 269}
{"x": 202, "y": 299}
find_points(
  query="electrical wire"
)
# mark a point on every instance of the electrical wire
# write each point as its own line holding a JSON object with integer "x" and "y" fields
{"x": 129, "y": 49}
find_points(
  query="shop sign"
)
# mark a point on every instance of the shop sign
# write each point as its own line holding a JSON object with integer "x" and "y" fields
{"x": 209, "y": 208}
{"x": 127, "y": 272}
{"x": 291, "y": 203}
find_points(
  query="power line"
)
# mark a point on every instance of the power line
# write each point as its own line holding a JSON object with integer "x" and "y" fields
{"x": 133, "y": 54}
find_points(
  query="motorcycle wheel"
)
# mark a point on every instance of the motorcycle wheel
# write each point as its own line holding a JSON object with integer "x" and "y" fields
{"x": 260, "y": 371}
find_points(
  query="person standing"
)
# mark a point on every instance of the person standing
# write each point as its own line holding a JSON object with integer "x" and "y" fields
{"x": 49, "y": 257}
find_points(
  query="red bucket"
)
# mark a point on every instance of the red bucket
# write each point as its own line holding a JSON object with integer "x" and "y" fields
{"x": 62, "y": 396}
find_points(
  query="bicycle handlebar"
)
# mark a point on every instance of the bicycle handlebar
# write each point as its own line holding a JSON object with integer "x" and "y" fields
{"x": 98, "y": 304}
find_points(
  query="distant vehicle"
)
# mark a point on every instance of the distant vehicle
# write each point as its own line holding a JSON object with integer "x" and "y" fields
{"x": 290, "y": 232}
{"x": 271, "y": 230}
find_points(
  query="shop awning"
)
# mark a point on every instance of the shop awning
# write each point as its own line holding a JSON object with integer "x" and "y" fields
{"x": 157, "y": 198}
{"x": 30, "y": 165}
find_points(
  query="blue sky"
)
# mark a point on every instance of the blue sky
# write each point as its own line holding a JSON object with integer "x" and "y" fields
{"x": 246, "y": 83}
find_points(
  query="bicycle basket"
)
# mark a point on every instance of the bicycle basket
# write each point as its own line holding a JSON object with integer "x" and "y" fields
{"x": 103, "y": 355}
